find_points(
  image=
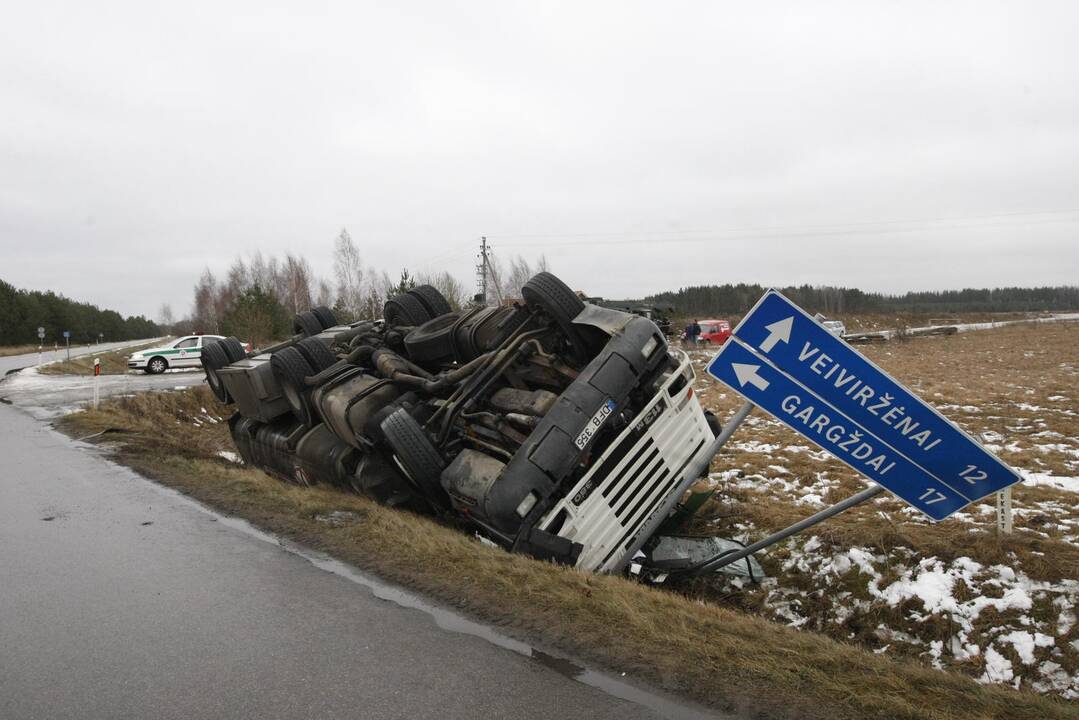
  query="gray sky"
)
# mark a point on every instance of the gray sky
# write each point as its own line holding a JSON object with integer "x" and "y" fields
{"x": 641, "y": 146}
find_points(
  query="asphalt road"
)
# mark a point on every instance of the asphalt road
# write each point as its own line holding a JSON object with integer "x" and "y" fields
{"x": 20, "y": 361}
{"x": 121, "y": 600}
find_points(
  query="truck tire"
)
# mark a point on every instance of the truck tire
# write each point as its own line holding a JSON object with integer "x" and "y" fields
{"x": 306, "y": 324}
{"x": 325, "y": 316}
{"x": 291, "y": 368}
{"x": 214, "y": 357}
{"x": 432, "y": 342}
{"x": 234, "y": 349}
{"x": 433, "y": 300}
{"x": 547, "y": 292}
{"x": 318, "y": 356}
{"x": 413, "y": 449}
{"x": 405, "y": 309}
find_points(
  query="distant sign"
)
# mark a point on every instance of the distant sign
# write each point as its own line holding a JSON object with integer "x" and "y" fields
{"x": 827, "y": 391}
{"x": 41, "y": 333}
{"x": 67, "y": 333}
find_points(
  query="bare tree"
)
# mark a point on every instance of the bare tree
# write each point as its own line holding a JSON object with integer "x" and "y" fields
{"x": 204, "y": 313}
{"x": 295, "y": 283}
{"x": 325, "y": 293}
{"x": 165, "y": 317}
{"x": 350, "y": 275}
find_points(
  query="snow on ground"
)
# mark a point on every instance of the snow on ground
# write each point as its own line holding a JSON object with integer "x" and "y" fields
{"x": 1014, "y": 629}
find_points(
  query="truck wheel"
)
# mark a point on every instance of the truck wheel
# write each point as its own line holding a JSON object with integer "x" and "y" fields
{"x": 234, "y": 349}
{"x": 547, "y": 292}
{"x": 290, "y": 368}
{"x": 325, "y": 316}
{"x": 433, "y": 300}
{"x": 414, "y": 451}
{"x": 432, "y": 342}
{"x": 405, "y": 309}
{"x": 156, "y": 366}
{"x": 214, "y": 357}
{"x": 318, "y": 356}
{"x": 306, "y": 324}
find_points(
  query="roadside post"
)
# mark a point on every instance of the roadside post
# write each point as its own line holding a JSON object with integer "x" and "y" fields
{"x": 1004, "y": 511}
{"x": 784, "y": 361}
{"x": 40, "y": 343}
{"x": 67, "y": 341}
{"x": 55, "y": 351}
{"x": 97, "y": 380}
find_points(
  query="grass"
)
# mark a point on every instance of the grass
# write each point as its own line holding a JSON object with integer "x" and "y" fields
{"x": 1015, "y": 387}
{"x": 8, "y": 350}
{"x": 113, "y": 362}
{"x": 717, "y": 655}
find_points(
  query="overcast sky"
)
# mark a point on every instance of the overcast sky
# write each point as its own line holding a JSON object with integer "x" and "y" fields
{"x": 640, "y": 146}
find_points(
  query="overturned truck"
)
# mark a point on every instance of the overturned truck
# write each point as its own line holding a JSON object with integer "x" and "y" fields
{"x": 553, "y": 427}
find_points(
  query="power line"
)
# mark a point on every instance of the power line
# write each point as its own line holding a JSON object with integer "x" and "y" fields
{"x": 792, "y": 230}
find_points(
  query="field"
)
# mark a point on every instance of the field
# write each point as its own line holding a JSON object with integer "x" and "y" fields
{"x": 855, "y": 615}
{"x": 9, "y": 350}
{"x": 956, "y": 594}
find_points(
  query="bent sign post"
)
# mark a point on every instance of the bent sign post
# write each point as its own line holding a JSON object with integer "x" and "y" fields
{"x": 783, "y": 361}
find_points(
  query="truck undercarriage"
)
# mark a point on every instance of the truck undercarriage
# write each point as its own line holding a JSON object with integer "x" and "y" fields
{"x": 553, "y": 427}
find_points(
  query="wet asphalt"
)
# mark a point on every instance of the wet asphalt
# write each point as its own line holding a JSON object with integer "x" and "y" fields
{"x": 119, "y": 599}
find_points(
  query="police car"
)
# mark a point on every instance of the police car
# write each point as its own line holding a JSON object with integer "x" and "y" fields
{"x": 185, "y": 352}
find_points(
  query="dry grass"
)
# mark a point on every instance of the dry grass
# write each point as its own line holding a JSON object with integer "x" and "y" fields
{"x": 1015, "y": 387}
{"x": 18, "y": 350}
{"x": 113, "y": 362}
{"x": 717, "y": 655}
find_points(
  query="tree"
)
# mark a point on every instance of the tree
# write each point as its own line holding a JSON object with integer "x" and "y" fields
{"x": 406, "y": 283}
{"x": 295, "y": 293}
{"x": 257, "y": 317}
{"x": 204, "y": 313}
{"x": 164, "y": 315}
{"x": 350, "y": 275}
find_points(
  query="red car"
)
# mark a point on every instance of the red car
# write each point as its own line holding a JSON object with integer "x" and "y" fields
{"x": 713, "y": 332}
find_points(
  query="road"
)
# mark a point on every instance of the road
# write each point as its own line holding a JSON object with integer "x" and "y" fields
{"x": 120, "y": 599}
{"x": 20, "y": 361}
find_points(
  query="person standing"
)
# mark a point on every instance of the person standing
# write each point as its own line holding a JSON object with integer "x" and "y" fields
{"x": 693, "y": 332}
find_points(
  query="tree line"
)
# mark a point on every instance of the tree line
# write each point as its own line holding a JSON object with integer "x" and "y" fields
{"x": 257, "y": 297}
{"x": 737, "y": 299}
{"x": 22, "y": 312}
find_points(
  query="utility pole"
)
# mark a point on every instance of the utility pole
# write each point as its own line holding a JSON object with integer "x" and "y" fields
{"x": 482, "y": 271}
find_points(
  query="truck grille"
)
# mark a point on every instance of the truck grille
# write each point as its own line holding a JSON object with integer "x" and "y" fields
{"x": 607, "y": 509}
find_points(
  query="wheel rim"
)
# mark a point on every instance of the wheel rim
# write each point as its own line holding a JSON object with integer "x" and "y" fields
{"x": 158, "y": 366}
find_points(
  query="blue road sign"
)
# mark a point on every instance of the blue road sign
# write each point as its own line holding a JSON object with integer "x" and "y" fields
{"x": 67, "y": 333}
{"x": 797, "y": 344}
{"x": 791, "y": 403}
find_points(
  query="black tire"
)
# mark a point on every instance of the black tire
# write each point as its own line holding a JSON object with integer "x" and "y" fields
{"x": 433, "y": 300}
{"x": 413, "y": 449}
{"x": 318, "y": 356}
{"x": 432, "y": 342}
{"x": 325, "y": 316}
{"x": 157, "y": 365}
{"x": 234, "y": 349}
{"x": 306, "y": 324}
{"x": 547, "y": 292}
{"x": 214, "y": 357}
{"x": 290, "y": 368}
{"x": 405, "y": 309}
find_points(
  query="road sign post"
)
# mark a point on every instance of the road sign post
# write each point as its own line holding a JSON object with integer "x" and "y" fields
{"x": 67, "y": 342}
{"x": 783, "y": 360}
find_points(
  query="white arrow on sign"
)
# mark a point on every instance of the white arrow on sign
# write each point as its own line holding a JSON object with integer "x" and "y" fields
{"x": 748, "y": 374}
{"x": 777, "y": 331}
